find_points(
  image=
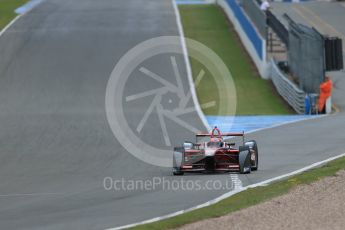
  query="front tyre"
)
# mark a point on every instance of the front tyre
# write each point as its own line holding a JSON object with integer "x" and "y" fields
{"x": 244, "y": 160}
{"x": 178, "y": 160}
{"x": 177, "y": 172}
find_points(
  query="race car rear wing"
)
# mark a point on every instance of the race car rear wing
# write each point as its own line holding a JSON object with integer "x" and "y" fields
{"x": 222, "y": 134}
{"x": 219, "y": 134}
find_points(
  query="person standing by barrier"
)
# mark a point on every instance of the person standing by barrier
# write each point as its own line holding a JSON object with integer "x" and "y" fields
{"x": 325, "y": 92}
{"x": 265, "y": 5}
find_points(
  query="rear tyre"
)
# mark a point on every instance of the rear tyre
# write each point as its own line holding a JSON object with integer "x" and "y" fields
{"x": 244, "y": 160}
{"x": 254, "y": 155}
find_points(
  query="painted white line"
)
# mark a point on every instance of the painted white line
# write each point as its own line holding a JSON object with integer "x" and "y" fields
{"x": 188, "y": 67}
{"x": 266, "y": 182}
{"x": 284, "y": 123}
{"x": 36, "y": 2}
{"x": 289, "y": 122}
{"x": 30, "y": 194}
{"x": 9, "y": 25}
{"x": 231, "y": 193}
{"x": 236, "y": 181}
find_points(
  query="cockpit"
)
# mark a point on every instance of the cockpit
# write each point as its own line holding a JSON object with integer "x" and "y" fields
{"x": 215, "y": 144}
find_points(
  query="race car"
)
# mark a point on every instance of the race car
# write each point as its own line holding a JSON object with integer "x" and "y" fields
{"x": 216, "y": 154}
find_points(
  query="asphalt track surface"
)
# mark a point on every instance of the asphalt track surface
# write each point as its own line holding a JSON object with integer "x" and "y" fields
{"x": 56, "y": 146}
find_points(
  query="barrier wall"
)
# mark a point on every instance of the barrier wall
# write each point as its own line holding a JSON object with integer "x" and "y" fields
{"x": 253, "y": 42}
{"x": 192, "y": 2}
{"x": 288, "y": 90}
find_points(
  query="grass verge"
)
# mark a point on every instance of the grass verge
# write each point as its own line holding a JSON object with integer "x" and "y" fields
{"x": 255, "y": 96}
{"x": 249, "y": 197}
{"x": 7, "y": 8}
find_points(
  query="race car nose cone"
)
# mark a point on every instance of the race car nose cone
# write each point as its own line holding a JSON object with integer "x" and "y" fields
{"x": 210, "y": 152}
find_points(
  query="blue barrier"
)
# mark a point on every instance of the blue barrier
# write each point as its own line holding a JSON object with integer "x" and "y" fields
{"x": 28, "y": 6}
{"x": 248, "y": 28}
{"x": 292, "y": 1}
{"x": 191, "y": 2}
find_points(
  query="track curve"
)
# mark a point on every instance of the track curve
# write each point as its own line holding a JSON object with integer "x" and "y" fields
{"x": 56, "y": 146}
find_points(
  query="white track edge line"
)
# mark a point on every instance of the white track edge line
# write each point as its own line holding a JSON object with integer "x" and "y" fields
{"x": 289, "y": 122}
{"x": 188, "y": 67}
{"x": 16, "y": 19}
{"x": 231, "y": 193}
{"x": 10, "y": 24}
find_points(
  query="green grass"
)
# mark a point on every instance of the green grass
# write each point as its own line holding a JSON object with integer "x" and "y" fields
{"x": 7, "y": 8}
{"x": 249, "y": 197}
{"x": 255, "y": 96}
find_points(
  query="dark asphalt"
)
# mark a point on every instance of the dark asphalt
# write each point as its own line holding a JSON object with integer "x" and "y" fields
{"x": 56, "y": 146}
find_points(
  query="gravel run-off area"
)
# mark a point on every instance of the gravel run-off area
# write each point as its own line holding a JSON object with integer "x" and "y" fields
{"x": 320, "y": 205}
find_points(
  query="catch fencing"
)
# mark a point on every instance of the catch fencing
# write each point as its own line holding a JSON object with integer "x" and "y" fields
{"x": 306, "y": 56}
{"x": 288, "y": 90}
{"x": 278, "y": 27}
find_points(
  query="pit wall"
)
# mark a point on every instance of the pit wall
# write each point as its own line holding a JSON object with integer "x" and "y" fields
{"x": 254, "y": 43}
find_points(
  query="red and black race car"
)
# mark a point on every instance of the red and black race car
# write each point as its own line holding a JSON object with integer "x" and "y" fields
{"x": 216, "y": 155}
